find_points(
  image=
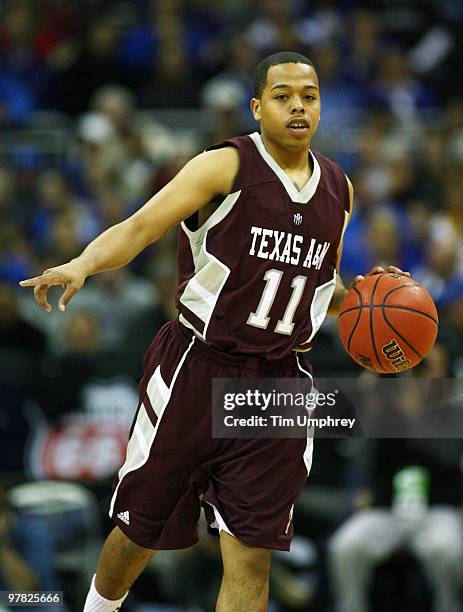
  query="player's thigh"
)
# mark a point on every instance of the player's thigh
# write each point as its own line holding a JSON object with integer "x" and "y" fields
{"x": 371, "y": 533}
{"x": 242, "y": 561}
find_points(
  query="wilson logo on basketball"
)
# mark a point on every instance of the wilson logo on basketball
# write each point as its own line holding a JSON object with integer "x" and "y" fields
{"x": 395, "y": 355}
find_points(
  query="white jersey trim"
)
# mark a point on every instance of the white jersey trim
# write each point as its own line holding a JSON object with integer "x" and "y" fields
{"x": 344, "y": 227}
{"x": 307, "y": 192}
{"x": 202, "y": 291}
{"x": 226, "y": 273}
{"x": 186, "y": 323}
{"x": 217, "y": 216}
{"x": 320, "y": 303}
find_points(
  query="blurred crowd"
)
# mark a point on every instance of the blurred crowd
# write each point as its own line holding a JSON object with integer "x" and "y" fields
{"x": 101, "y": 103}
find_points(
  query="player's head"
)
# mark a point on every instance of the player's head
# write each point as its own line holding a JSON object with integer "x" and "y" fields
{"x": 286, "y": 88}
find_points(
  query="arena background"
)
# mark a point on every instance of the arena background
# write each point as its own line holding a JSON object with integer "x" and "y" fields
{"x": 100, "y": 104}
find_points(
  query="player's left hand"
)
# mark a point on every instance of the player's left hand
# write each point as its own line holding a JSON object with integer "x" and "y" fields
{"x": 379, "y": 270}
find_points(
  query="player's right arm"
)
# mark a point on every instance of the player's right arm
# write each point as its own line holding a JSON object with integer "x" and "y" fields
{"x": 205, "y": 176}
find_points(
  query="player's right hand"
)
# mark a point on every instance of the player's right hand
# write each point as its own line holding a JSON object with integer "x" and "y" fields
{"x": 71, "y": 276}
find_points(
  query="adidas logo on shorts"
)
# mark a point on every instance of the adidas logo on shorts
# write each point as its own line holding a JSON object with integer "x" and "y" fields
{"x": 124, "y": 516}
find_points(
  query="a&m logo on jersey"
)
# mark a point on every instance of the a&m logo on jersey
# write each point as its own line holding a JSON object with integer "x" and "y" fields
{"x": 287, "y": 247}
{"x": 297, "y": 218}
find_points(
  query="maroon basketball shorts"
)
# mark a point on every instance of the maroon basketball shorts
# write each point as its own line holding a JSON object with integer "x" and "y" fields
{"x": 248, "y": 487}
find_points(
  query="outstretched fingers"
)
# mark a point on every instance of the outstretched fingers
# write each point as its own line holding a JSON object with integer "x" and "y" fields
{"x": 32, "y": 282}
{"x": 41, "y": 285}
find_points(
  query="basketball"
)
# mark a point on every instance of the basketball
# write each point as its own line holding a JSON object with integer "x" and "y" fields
{"x": 388, "y": 323}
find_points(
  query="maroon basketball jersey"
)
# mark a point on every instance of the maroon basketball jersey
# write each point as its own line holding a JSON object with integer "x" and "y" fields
{"x": 258, "y": 276}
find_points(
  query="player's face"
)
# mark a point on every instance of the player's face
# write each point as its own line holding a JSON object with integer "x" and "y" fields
{"x": 289, "y": 107}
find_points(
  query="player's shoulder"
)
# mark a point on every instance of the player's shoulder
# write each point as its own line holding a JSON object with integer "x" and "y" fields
{"x": 240, "y": 159}
{"x": 217, "y": 167}
{"x": 226, "y": 155}
{"x": 238, "y": 143}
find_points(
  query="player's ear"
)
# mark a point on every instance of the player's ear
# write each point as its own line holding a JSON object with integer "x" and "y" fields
{"x": 255, "y": 108}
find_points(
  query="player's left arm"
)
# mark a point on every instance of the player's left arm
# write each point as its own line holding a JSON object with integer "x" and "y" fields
{"x": 340, "y": 290}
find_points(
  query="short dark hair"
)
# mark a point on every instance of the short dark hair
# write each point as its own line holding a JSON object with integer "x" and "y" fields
{"x": 282, "y": 57}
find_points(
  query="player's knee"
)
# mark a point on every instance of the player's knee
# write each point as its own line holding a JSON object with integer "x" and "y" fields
{"x": 258, "y": 565}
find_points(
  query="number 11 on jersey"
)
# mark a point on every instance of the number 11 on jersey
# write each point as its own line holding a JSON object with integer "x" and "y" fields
{"x": 260, "y": 318}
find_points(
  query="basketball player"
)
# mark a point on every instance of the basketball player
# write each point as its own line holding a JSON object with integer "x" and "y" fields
{"x": 262, "y": 220}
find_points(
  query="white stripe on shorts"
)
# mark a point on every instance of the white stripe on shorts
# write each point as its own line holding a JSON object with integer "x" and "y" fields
{"x": 137, "y": 454}
{"x": 308, "y": 453}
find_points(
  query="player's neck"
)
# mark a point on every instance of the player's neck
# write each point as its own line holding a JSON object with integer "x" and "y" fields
{"x": 288, "y": 159}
